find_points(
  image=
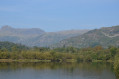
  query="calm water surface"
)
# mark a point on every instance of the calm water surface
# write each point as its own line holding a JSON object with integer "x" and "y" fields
{"x": 56, "y": 71}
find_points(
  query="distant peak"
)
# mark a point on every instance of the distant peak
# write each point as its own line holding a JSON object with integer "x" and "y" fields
{"x": 6, "y": 27}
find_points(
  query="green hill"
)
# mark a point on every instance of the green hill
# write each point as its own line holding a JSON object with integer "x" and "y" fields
{"x": 106, "y": 36}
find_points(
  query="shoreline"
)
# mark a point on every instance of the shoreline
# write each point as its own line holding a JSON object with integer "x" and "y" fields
{"x": 36, "y": 60}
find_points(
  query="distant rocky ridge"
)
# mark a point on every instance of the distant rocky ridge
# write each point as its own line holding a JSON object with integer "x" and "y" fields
{"x": 36, "y": 36}
{"x": 9, "y": 31}
{"x": 106, "y": 36}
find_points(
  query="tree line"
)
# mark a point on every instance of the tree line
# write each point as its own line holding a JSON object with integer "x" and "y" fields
{"x": 13, "y": 51}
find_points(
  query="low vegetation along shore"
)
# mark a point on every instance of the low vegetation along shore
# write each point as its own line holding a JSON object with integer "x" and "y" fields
{"x": 69, "y": 54}
{"x": 10, "y": 52}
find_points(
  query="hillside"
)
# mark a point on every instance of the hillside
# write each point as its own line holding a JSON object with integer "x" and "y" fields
{"x": 36, "y": 36}
{"x": 106, "y": 36}
{"x": 19, "y": 32}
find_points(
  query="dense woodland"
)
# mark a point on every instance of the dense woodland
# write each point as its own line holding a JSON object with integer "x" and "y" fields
{"x": 13, "y": 51}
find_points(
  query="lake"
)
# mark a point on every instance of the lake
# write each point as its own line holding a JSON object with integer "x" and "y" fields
{"x": 56, "y": 71}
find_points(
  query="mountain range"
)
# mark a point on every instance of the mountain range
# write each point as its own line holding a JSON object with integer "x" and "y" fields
{"x": 36, "y": 36}
{"x": 106, "y": 36}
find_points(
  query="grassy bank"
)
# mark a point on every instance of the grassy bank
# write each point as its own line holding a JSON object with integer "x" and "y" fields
{"x": 36, "y": 60}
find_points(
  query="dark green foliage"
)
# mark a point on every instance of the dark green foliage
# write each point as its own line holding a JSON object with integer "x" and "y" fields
{"x": 66, "y": 50}
{"x": 113, "y": 51}
{"x": 9, "y": 46}
{"x": 116, "y": 65}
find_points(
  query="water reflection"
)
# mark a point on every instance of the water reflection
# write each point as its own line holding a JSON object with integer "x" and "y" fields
{"x": 56, "y": 71}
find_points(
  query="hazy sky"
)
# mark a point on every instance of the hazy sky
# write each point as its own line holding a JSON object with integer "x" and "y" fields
{"x": 56, "y": 15}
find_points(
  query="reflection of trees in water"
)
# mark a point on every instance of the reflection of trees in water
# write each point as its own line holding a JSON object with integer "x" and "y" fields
{"x": 69, "y": 67}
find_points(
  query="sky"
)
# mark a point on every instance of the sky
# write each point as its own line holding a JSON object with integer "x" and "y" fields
{"x": 57, "y": 15}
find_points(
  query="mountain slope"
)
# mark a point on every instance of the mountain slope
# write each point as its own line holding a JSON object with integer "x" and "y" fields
{"x": 36, "y": 36}
{"x": 50, "y": 38}
{"x": 9, "y": 31}
{"x": 108, "y": 36}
